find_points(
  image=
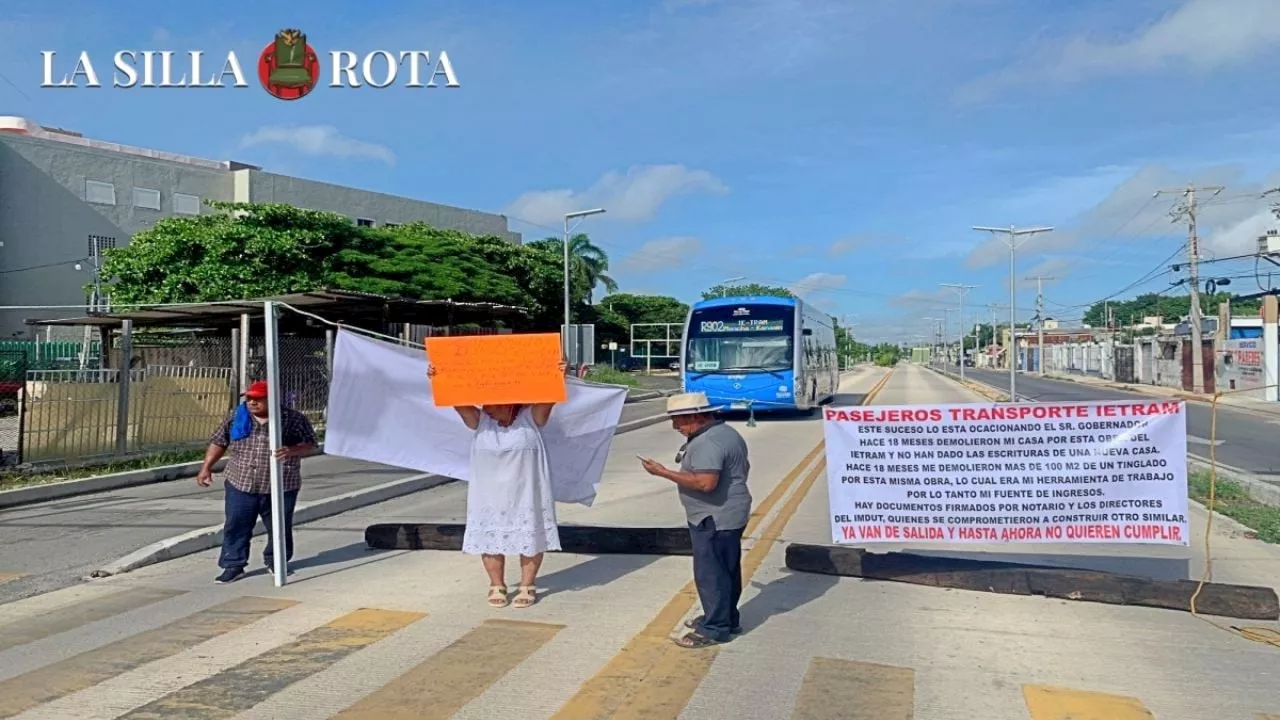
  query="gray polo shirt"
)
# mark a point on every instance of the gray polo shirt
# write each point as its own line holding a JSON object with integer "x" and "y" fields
{"x": 718, "y": 448}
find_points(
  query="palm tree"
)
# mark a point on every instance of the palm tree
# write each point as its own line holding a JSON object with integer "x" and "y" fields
{"x": 594, "y": 260}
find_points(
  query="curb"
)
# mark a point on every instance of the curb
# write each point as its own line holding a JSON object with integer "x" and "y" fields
{"x": 210, "y": 537}
{"x": 114, "y": 481}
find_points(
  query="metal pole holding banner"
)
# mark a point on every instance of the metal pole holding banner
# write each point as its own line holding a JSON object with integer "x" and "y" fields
{"x": 243, "y": 349}
{"x": 124, "y": 373}
{"x": 272, "y": 341}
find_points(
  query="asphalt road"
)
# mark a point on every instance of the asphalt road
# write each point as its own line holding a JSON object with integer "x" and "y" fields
{"x": 51, "y": 545}
{"x": 1248, "y": 442}
{"x": 359, "y": 633}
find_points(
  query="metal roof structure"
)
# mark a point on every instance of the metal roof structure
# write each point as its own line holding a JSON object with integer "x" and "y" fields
{"x": 339, "y": 306}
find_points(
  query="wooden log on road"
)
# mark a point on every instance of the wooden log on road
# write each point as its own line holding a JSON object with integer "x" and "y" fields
{"x": 584, "y": 539}
{"x": 1235, "y": 601}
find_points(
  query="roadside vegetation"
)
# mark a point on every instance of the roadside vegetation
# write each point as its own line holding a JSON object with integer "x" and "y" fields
{"x": 14, "y": 479}
{"x": 1231, "y": 500}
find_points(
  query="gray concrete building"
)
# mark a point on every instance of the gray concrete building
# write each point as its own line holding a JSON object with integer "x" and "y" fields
{"x": 65, "y": 198}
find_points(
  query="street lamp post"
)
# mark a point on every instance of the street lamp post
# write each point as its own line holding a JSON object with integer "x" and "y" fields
{"x": 567, "y": 218}
{"x": 1014, "y": 236}
{"x": 724, "y": 284}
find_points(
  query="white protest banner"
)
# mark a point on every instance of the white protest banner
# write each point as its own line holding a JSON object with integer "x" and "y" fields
{"x": 381, "y": 410}
{"x": 1095, "y": 472}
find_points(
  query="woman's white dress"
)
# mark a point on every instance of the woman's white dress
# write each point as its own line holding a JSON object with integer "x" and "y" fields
{"x": 510, "y": 508}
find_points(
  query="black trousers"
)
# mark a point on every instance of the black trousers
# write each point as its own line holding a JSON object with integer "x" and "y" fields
{"x": 242, "y": 511}
{"x": 717, "y": 573}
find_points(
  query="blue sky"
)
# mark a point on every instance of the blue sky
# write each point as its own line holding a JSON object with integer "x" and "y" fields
{"x": 841, "y": 147}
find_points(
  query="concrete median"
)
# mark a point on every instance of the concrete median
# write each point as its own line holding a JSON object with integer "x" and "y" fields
{"x": 1236, "y": 601}
{"x": 582, "y": 539}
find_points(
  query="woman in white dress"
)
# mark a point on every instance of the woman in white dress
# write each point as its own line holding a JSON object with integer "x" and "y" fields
{"x": 510, "y": 508}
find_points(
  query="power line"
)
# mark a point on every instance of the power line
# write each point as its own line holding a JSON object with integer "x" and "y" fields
{"x": 41, "y": 267}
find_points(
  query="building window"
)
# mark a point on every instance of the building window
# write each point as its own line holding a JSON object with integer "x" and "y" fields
{"x": 99, "y": 193}
{"x": 364, "y": 222}
{"x": 186, "y": 204}
{"x": 144, "y": 198}
{"x": 100, "y": 243}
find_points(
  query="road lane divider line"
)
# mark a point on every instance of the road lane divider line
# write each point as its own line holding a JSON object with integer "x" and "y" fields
{"x": 444, "y": 683}
{"x": 1045, "y": 702}
{"x": 652, "y": 678}
{"x": 69, "y": 617}
{"x": 835, "y": 689}
{"x": 78, "y": 672}
{"x": 239, "y": 688}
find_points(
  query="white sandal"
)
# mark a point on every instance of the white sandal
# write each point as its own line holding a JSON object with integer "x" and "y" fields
{"x": 527, "y": 596}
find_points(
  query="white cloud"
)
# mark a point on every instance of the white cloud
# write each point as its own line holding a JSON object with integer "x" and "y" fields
{"x": 1053, "y": 270}
{"x": 633, "y": 196}
{"x": 1200, "y": 36}
{"x": 919, "y": 298}
{"x": 818, "y": 282}
{"x": 1241, "y": 237}
{"x": 318, "y": 141}
{"x": 1132, "y": 210}
{"x": 662, "y": 253}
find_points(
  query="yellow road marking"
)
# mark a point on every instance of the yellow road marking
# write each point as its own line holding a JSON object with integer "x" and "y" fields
{"x": 6, "y": 577}
{"x": 1054, "y": 703}
{"x": 847, "y": 690}
{"x": 239, "y": 688}
{"x": 440, "y": 686}
{"x": 82, "y": 613}
{"x": 21, "y": 693}
{"x": 652, "y": 678}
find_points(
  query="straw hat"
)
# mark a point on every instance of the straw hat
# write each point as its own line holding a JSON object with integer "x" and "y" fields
{"x": 690, "y": 404}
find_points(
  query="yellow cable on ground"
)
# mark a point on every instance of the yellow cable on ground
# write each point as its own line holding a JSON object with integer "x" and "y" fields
{"x": 1267, "y": 636}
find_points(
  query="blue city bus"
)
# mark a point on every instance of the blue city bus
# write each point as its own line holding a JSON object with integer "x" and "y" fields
{"x": 760, "y": 353}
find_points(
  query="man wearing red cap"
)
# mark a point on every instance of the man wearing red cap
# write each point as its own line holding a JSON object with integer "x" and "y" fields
{"x": 248, "y": 475}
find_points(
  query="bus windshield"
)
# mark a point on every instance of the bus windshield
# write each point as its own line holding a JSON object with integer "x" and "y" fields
{"x": 755, "y": 338}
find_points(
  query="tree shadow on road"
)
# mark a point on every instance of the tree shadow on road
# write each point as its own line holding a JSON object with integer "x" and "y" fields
{"x": 791, "y": 591}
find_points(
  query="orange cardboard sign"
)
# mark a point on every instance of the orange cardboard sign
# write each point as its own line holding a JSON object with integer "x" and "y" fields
{"x": 496, "y": 369}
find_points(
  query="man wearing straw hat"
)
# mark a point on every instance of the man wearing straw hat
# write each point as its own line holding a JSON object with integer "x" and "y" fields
{"x": 712, "y": 481}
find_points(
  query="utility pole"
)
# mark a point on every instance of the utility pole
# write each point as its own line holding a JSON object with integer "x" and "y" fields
{"x": 994, "y": 329}
{"x": 946, "y": 324}
{"x": 1013, "y": 237}
{"x": 1040, "y": 318}
{"x": 961, "y": 290}
{"x": 1187, "y": 209}
{"x": 1111, "y": 338}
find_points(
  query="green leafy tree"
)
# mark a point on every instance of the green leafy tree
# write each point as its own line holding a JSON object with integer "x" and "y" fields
{"x": 590, "y": 259}
{"x": 746, "y": 289}
{"x": 1170, "y": 307}
{"x": 617, "y": 313}
{"x": 256, "y": 250}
